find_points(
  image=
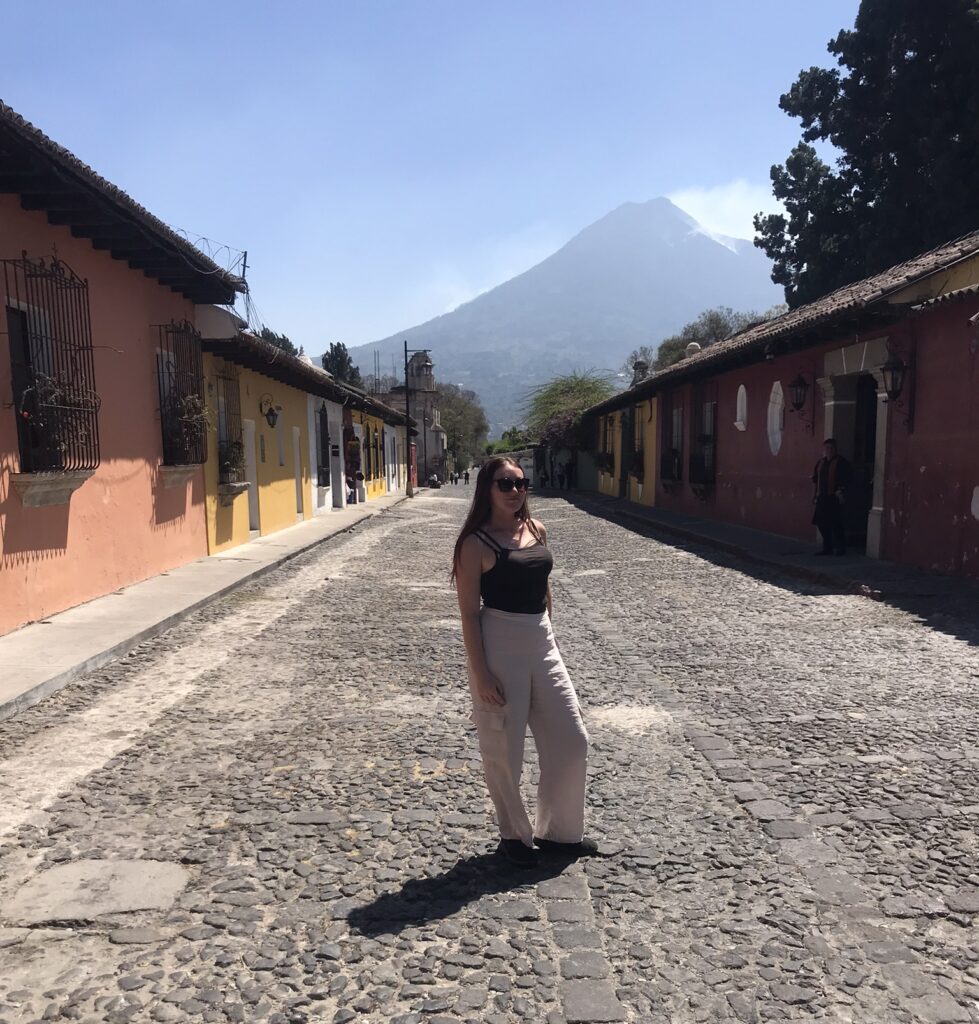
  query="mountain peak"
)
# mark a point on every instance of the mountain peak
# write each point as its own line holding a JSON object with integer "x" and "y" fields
{"x": 633, "y": 277}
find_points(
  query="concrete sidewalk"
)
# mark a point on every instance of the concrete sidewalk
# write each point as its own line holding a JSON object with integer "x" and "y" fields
{"x": 41, "y": 658}
{"x": 852, "y": 573}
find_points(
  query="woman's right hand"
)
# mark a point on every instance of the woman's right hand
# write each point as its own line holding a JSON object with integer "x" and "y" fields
{"x": 489, "y": 691}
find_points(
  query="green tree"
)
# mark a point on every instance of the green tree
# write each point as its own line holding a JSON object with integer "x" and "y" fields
{"x": 645, "y": 354}
{"x": 711, "y": 326}
{"x": 515, "y": 438}
{"x": 512, "y": 439}
{"x": 338, "y": 362}
{"x": 465, "y": 424}
{"x": 902, "y": 110}
{"x": 279, "y": 340}
{"x": 554, "y": 409}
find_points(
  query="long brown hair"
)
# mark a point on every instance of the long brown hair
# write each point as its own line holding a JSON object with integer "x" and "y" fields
{"x": 482, "y": 506}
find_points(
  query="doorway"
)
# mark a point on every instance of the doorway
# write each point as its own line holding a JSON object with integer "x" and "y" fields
{"x": 860, "y": 494}
{"x": 251, "y": 473}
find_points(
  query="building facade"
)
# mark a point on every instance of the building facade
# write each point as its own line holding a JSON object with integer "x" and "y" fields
{"x": 431, "y": 441}
{"x": 97, "y": 343}
{"x": 886, "y": 366}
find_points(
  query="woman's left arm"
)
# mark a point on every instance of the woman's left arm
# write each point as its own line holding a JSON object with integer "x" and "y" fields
{"x": 543, "y": 536}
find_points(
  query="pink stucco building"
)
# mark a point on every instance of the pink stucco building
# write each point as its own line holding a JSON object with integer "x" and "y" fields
{"x": 96, "y": 336}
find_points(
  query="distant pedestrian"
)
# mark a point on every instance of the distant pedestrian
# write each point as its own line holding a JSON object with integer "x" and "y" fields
{"x": 830, "y": 479}
{"x": 466, "y": 476}
{"x": 517, "y": 677}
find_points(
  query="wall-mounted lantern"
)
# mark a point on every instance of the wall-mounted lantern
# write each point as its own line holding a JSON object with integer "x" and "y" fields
{"x": 893, "y": 373}
{"x": 798, "y": 390}
{"x": 267, "y": 408}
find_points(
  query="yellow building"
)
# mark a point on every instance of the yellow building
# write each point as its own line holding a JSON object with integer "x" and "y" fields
{"x": 627, "y": 446}
{"x": 258, "y": 477}
{"x": 369, "y": 430}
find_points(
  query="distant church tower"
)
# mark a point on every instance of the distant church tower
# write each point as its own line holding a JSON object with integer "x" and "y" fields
{"x": 421, "y": 373}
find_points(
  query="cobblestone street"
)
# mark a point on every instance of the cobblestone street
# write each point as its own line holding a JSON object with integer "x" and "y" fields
{"x": 786, "y": 780}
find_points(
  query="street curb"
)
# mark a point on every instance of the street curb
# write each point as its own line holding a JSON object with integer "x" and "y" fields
{"x": 844, "y": 584}
{"x": 35, "y": 694}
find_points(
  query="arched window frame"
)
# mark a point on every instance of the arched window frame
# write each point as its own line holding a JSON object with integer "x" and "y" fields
{"x": 741, "y": 414}
{"x": 776, "y": 418}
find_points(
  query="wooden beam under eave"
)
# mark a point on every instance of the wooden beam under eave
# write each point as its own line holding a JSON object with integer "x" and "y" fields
{"x": 16, "y": 181}
{"x": 53, "y": 201}
{"x": 143, "y": 254}
{"x": 84, "y": 228}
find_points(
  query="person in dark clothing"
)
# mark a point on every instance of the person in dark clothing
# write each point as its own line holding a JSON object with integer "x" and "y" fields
{"x": 830, "y": 478}
{"x": 465, "y": 476}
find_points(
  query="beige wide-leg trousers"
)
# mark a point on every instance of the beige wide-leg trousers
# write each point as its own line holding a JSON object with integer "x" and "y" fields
{"x": 521, "y": 653}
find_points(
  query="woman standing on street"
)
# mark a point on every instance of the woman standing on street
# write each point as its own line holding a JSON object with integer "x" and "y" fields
{"x": 517, "y": 677}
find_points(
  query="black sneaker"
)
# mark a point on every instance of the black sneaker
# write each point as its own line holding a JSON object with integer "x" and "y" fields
{"x": 570, "y": 851}
{"x": 518, "y": 854}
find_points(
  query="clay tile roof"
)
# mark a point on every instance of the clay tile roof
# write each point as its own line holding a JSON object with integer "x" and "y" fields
{"x": 952, "y": 296}
{"x": 263, "y": 357}
{"x": 50, "y": 178}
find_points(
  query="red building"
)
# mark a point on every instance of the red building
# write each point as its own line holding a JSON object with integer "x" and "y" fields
{"x": 740, "y": 424}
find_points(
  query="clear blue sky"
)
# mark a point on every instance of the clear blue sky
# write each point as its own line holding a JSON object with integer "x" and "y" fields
{"x": 382, "y": 162}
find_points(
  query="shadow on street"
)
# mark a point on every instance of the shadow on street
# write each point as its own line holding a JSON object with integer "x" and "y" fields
{"x": 421, "y": 900}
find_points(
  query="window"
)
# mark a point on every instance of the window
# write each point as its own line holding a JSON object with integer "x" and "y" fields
{"x": 703, "y": 454}
{"x": 280, "y": 440}
{"x": 776, "y": 418}
{"x": 323, "y": 448}
{"x": 637, "y": 461}
{"x": 231, "y": 450}
{"x": 52, "y": 366}
{"x": 183, "y": 409}
{"x": 741, "y": 415}
{"x": 671, "y": 457}
{"x": 368, "y": 456}
{"x": 605, "y": 457}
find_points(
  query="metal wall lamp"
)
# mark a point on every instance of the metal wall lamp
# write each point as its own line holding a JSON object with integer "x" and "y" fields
{"x": 267, "y": 408}
{"x": 894, "y": 373}
{"x": 798, "y": 390}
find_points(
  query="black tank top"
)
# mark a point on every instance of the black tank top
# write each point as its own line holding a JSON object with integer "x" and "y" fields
{"x": 518, "y": 580}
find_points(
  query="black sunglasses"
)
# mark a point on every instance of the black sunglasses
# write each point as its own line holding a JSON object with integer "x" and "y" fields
{"x": 507, "y": 483}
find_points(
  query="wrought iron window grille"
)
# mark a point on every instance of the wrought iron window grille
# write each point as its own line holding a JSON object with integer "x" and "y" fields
{"x": 52, "y": 366}
{"x": 184, "y": 414}
{"x": 703, "y": 456}
{"x": 671, "y": 466}
{"x": 638, "y": 464}
{"x": 671, "y": 457}
{"x": 323, "y": 449}
{"x": 231, "y": 448}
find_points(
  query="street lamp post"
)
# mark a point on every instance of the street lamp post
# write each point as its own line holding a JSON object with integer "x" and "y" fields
{"x": 409, "y": 490}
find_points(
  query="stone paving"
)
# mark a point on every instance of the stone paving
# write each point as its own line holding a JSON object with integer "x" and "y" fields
{"x": 275, "y": 811}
